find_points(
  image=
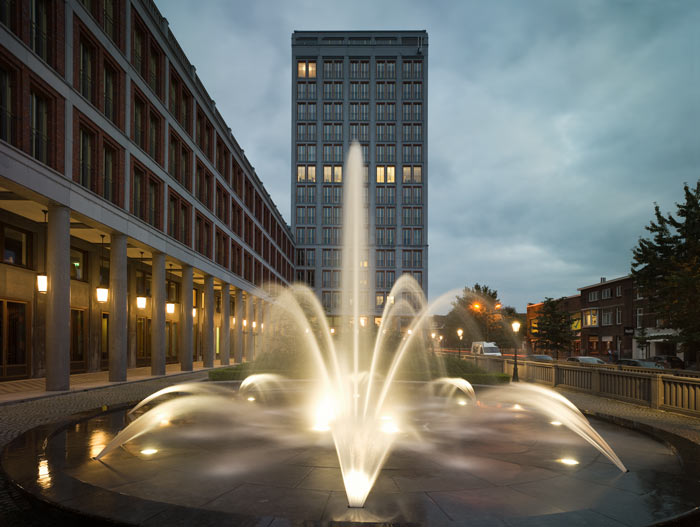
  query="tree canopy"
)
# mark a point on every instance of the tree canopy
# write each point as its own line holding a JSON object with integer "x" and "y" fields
{"x": 554, "y": 326}
{"x": 666, "y": 269}
{"x": 480, "y": 315}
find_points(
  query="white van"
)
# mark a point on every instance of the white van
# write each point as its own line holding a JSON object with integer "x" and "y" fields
{"x": 485, "y": 348}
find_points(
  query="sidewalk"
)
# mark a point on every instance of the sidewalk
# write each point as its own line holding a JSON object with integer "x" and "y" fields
{"x": 24, "y": 404}
{"x": 28, "y": 389}
{"x": 684, "y": 426}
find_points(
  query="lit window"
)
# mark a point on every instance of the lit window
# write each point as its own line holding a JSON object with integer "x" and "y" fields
{"x": 380, "y": 174}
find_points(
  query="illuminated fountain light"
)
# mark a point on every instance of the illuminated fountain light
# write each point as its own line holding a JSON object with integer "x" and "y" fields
{"x": 357, "y": 486}
{"x": 568, "y": 461}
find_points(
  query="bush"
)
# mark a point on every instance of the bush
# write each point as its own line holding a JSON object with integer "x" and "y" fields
{"x": 288, "y": 365}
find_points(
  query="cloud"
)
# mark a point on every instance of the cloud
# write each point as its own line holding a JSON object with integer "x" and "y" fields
{"x": 553, "y": 126}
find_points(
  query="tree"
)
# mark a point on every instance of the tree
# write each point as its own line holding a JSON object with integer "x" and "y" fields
{"x": 666, "y": 270}
{"x": 478, "y": 312}
{"x": 554, "y": 326}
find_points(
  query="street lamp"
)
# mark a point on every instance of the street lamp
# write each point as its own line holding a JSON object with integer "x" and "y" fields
{"x": 459, "y": 334}
{"x": 516, "y": 328}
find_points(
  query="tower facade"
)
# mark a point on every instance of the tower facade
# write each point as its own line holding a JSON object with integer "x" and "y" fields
{"x": 370, "y": 87}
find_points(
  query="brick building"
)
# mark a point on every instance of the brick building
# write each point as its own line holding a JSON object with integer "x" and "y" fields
{"x": 610, "y": 318}
{"x": 117, "y": 172}
{"x": 570, "y": 305}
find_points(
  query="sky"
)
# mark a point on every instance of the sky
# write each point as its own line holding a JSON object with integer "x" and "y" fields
{"x": 553, "y": 126}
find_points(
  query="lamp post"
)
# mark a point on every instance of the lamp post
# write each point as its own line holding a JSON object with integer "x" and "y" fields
{"x": 459, "y": 334}
{"x": 516, "y": 328}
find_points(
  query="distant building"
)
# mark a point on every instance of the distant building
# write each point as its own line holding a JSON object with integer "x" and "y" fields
{"x": 609, "y": 318}
{"x": 570, "y": 305}
{"x": 370, "y": 87}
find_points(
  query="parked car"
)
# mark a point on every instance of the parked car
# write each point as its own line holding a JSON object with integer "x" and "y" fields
{"x": 638, "y": 363}
{"x": 485, "y": 348}
{"x": 540, "y": 358}
{"x": 669, "y": 361}
{"x": 584, "y": 359}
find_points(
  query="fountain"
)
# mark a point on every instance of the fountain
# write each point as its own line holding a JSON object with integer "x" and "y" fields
{"x": 356, "y": 395}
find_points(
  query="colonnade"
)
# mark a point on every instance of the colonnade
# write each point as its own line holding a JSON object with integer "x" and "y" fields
{"x": 245, "y": 323}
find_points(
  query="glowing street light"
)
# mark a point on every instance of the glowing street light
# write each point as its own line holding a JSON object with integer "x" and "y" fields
{"x": 460, "y": 332}
{"x": 516, "y": 327}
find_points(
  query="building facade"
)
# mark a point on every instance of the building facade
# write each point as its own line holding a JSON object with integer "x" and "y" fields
{"x": 610, "y": 320}
{"x": 118, "y": 173}
{"x": 607, "y": 318}
{"x": 370, "y": 87}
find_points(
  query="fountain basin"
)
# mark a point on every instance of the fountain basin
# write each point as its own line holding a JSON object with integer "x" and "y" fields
{"x": 483, "y": 482}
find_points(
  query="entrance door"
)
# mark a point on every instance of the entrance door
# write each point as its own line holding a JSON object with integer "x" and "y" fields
{"x": 14, "y": 339}
{"x": 77, "y": 341}
{"x": 170, "y": 342}
{"x": 143, "y": 341}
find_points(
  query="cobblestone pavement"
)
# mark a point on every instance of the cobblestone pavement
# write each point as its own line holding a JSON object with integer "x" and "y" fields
{"x": 17, "y": 510}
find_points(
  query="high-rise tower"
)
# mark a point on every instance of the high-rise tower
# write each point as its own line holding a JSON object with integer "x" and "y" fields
{"x": 370, "y": 87}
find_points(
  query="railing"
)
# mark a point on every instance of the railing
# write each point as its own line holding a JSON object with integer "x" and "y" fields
{"x": 676, "y": 390}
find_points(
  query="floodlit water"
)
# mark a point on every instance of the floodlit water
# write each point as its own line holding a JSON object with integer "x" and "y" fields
{"x": 363, "y": 393}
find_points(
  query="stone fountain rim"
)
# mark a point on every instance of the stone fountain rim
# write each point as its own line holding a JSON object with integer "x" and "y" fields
{"x": 687, "y": 451}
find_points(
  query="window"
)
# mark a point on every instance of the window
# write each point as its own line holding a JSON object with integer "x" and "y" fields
{"x": 137, "y": 48}
{"x": 110, "y": 93}
{"x": 39, "y": 28}
{"x": 202, "y": 242}
{"x": 147, "y": 56}
{"x": 590, "y": 317}
{"x": 38, "y": 123}
{"x": 110, "y": 18}
{"x": 7, "y": 117}
{"x": 78, "y": 267}
{"x": 16, "y": 246}
{"x": 606, "y": 293}
{"x": 86, "y": 156}
{"x": 154, "y": 134}
{"x": 618, "y": 316}
{"x": 139, "y": 124}
{"x": 606, "y": 317}
{"x": 147, "y": 192}
{"x": 593, "y": 296}
{"x": 640, "y": 318}
{"x": 86, "y": 70}
{"x": 618, "y": 291}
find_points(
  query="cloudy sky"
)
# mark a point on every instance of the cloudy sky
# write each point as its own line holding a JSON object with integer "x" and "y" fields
{"x": 554, "y": 126}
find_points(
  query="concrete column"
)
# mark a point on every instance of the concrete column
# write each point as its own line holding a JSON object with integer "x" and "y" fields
{"x": 250, "y": 315}
{"x": 58, "y": 299}
{"x": 225, "y": 345}
{"x": 118, "y": 304}
{"x": 158, "y": 299}
{"x": 186, "y": 323}
{"x": 208, "y": 322}
{"x": 238, "y": 326}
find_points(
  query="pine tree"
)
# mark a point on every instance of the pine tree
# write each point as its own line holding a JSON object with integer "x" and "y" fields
{"x": 666, "y": 269}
